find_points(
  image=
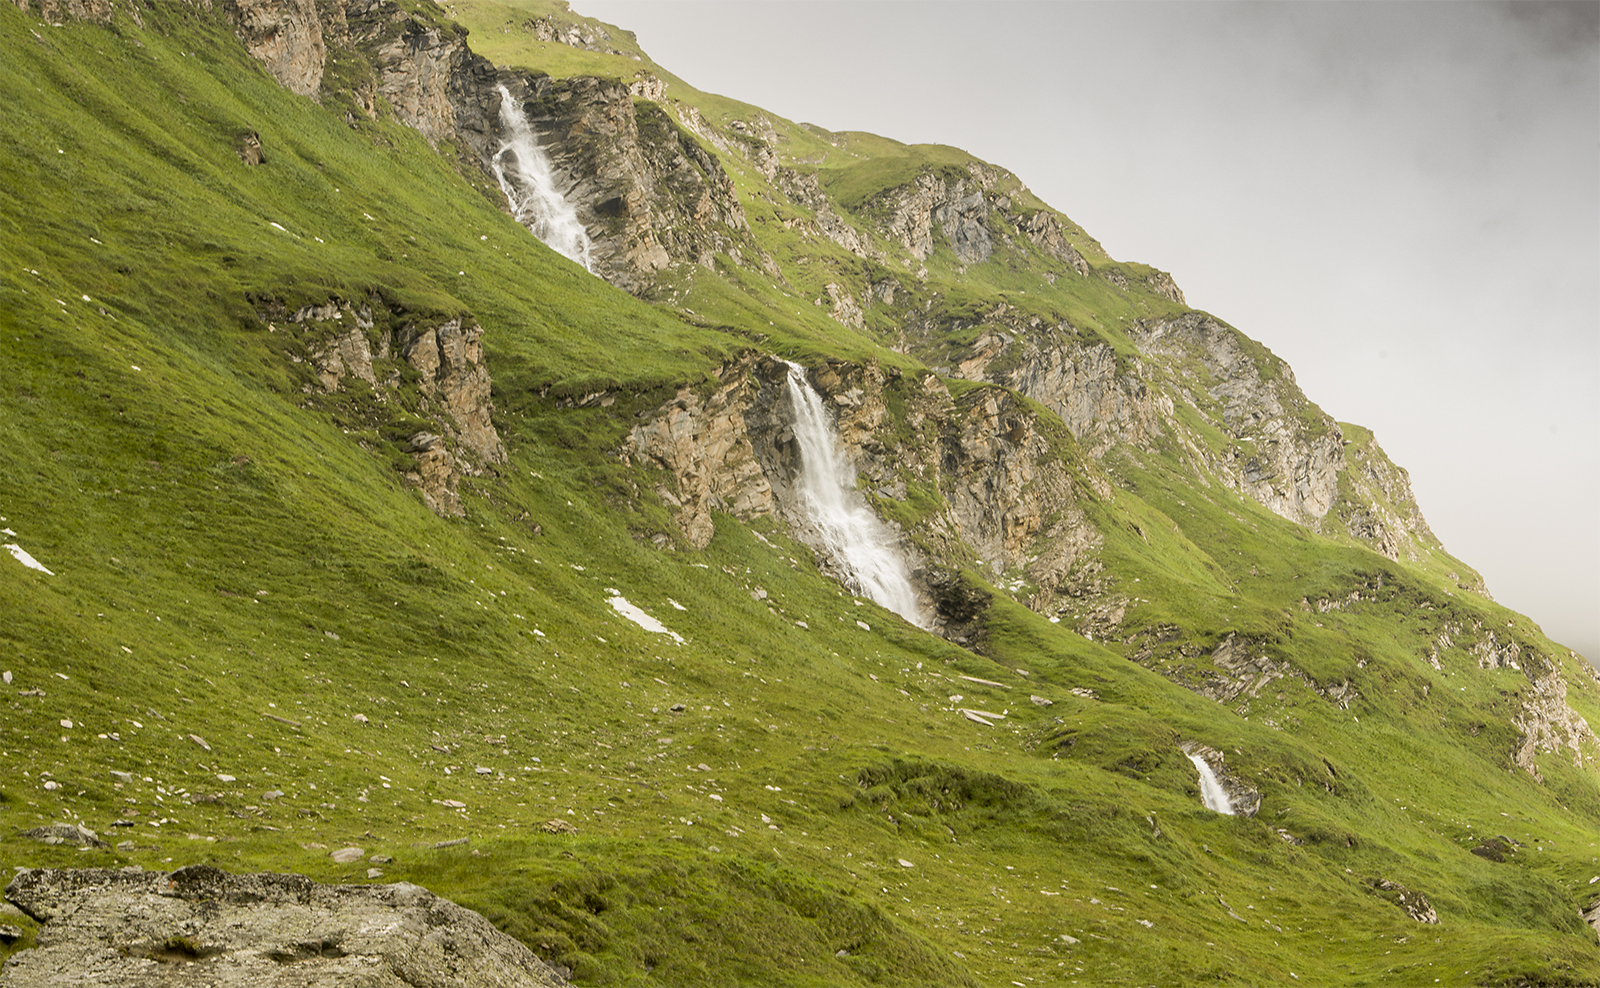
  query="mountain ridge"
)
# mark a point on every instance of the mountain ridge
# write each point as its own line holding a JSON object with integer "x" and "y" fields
{"x": 965, "y": 392}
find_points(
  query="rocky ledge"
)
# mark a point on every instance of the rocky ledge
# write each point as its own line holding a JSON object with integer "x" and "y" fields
{"x": 203, "y": 926}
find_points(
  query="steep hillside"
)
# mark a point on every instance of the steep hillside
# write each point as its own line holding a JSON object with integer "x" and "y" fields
{"x": 344, "y": 513}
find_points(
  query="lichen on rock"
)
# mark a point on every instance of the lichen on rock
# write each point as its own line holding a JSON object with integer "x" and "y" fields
{"x": 200, "y": 925}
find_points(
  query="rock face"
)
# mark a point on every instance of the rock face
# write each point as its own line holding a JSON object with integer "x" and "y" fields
{"x": 1245, "y": 798}
{"x": 648, "y": 193}
{"x": 968, "y": 211}
{"x": 984, "y": 475}
{"x": 417, "y": 369}
{"x": 1414, "y": 903}
{"x": 1286, "y": 452}
{"x": 203, "y": 926}
{"x": 56, "y": 11}
{"x": 285, "y": 36}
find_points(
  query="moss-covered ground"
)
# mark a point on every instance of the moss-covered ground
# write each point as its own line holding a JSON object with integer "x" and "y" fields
{"x": 252, "y": 615}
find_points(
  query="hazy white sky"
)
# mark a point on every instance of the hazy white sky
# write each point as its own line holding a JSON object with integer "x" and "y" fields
{"x": 1400, "y": 199}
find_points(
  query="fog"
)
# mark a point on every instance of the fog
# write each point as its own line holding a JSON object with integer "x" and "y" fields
{"x": 1402, "y": 200}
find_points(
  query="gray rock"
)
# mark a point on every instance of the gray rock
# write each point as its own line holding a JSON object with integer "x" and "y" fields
{"x": 10, "y": 934}
{"x": 345, "y": 855}
{"x": 65, "y": 833}
{"x": 123, "y": 777}
{"x": 203, "y": 926}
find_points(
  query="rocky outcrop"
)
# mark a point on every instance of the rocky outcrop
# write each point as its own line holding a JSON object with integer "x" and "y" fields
{"x": 1234, "y": 672}
{"x": 57, "y": 11}
{"x": 806, "y": 190}
{"x": 992, "y": 483}
{"x": 416, "y": 370}
{"x": 1542, "y": 716}
{"x": 1384, "y": 512}
{"x": 1044, "y": 230}
{"x": 420, "y": 70}
{"x": 283, "y": 35}
{"x": 703, "y": 442}
{"x": 1547, "y": 723}
{"x": 1414, "y": 903}
{"x": 1243, "y": 797}
{"x": 1102, "y": 401}
{"x": 575, "y": 33}
{"x": 1285, "y": 452}
{"x": 647, "y": 192}
{"x": 202, "y": 926}
{"x": 955, "y": 205}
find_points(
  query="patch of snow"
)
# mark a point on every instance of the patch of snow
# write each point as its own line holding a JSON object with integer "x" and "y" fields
{"x": 25, "y": 559}
{"x": 622, "y": 606}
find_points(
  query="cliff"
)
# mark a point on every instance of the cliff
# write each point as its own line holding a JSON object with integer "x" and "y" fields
{"x": 347, "y": 521}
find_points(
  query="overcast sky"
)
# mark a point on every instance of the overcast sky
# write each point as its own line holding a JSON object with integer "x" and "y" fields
{"x": 1402, "y": 200}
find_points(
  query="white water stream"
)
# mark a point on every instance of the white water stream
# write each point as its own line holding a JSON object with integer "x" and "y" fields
{"x": 858, "y": 541}
{"x": 1211, "y": 792}
{"x": 525, "y": 177}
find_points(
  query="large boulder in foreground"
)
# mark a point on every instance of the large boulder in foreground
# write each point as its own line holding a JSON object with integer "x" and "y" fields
{"x": 203, "y": 926}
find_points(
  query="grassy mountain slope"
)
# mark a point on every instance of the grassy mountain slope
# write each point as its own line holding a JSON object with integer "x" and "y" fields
{"x": 790, "y": 794}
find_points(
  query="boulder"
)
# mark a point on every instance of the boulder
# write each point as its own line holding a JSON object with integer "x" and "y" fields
{"x": 203, "y": 926}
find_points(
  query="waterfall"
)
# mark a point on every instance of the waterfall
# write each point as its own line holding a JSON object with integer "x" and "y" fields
{"x": 525, "y": 177}
{"x": 1211, "y": 792}
{"x": 859, "y": 543}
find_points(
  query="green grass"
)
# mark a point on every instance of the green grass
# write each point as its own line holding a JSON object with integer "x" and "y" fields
{"x": 232, "y": 564}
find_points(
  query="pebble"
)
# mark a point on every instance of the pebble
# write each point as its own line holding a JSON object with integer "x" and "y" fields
{"x": 197, "y": 739}
{"x": 224, "y": 778}
{"x": 374, "y": 872}
{"x": 67, "y": 724}
{"x": 484, "y": 771}
{"x": 271, "y": 794}
{"x": 345, "y": 855}
{"x": 6, "y": 676}
{"x": 360, "y": 718}
{"x": 1041, "y": 701}
{"x": 52, "y": 785}
{"x": 457, "y": 842}
{"x": 454, "y": 804}
{"x": 906, "y": 864}
{"x": 123, "y": 777}
{"x": 381, "y": 859}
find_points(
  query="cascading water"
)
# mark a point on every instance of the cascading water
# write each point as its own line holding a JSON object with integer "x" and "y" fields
{"x": 525, "y": 177}
{"x": 1211, "y": 792}
{"x": 857, "y": 540}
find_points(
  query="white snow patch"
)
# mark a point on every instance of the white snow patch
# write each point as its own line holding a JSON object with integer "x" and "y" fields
{"x": 27, "y": 560}
{"x": 622, "y": 606}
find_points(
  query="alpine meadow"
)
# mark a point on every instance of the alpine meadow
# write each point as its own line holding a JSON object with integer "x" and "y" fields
{"x": 447, "y": 457}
